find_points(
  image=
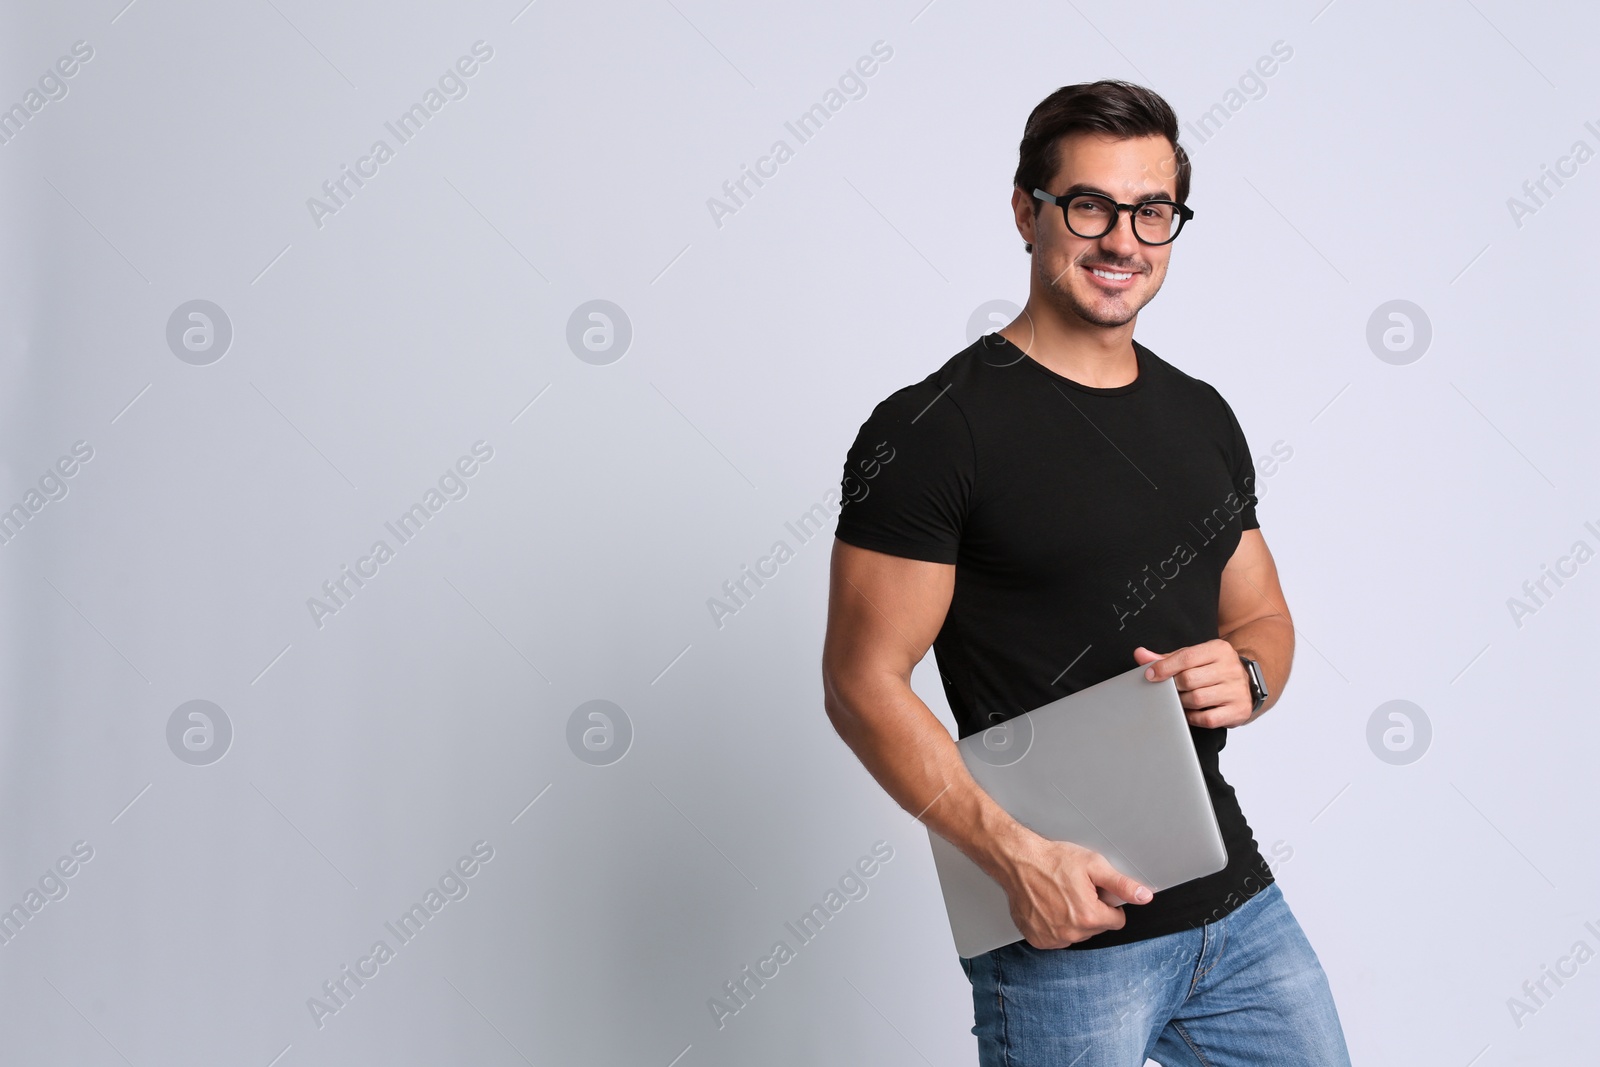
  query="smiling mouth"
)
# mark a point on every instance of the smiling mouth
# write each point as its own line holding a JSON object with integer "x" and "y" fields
{"x": 1115, "y": 281}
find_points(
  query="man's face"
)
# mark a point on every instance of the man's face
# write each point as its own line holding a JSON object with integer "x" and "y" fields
{"x": 1064, "y": 262}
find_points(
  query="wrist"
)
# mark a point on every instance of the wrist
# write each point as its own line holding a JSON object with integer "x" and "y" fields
{"x": 1002, "y": 845}
{"x": 1255, "y": 681}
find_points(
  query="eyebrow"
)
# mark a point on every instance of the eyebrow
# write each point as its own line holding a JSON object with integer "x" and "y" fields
{"x": 1085, "y": 187}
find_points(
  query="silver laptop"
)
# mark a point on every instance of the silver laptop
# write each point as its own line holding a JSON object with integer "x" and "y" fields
{"x": 1111, "y": 767}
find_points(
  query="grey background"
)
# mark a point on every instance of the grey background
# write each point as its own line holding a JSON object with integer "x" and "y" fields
{"x": 427, "y": 314}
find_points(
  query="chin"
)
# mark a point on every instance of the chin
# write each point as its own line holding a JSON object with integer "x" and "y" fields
{"x": 1107, "y": 311}
{"x": 1113, "y": 320}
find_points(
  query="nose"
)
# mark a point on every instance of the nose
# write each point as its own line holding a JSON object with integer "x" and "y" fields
{"x": 1121, "y": 240}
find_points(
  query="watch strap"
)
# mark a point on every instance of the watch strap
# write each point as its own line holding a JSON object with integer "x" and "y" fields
{"x": 1258, "y": 684}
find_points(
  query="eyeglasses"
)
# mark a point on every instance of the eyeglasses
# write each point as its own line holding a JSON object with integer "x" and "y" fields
{"x": 1090, "y": 215}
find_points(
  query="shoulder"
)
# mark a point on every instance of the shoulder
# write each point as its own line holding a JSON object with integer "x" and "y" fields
{"x": 936, "y": 406}
{"x": 1186, "y": 387}
{"x": 909, "y": 477}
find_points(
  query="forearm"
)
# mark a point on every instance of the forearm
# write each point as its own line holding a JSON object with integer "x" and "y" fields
{"x": 1270, "y": 642}
{"x": 910, "y": 753}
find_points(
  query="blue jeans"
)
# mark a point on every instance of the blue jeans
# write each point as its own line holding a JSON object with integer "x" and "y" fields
{"x": 1243, "y": 991}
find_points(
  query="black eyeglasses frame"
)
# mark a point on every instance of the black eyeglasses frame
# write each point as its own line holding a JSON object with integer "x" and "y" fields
{"x": 1184, "y": 214}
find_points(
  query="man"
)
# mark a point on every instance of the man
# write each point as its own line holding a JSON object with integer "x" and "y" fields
{"x": 1051, "y": 507}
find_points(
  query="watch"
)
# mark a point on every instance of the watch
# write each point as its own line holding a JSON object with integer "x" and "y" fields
{"x": 1258, "y": 685}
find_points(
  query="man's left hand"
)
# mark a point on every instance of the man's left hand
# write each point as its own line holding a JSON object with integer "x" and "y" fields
{"x": 1212, "y": 683}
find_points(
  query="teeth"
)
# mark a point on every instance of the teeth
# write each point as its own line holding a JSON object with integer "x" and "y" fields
{"x": 1110, "y": 275}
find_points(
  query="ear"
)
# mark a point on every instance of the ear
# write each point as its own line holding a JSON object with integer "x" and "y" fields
{"x": 1022, "y": 205}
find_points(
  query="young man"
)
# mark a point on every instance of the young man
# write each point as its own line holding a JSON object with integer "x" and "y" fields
{"x": 1052, "y": 506}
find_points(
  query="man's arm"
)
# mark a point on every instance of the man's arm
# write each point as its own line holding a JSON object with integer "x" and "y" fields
{"x": 883, "y": 613}
{"x": 1253, "y": 616}
{"x": 1253, "y": 619}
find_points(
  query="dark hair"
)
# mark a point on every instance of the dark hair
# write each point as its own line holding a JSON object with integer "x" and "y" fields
{"x": 1109, "y": 106}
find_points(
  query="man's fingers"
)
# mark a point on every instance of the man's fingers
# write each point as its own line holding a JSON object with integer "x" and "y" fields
{"x": 1206, "y": 697}
{"x": 1107, "y": 877}
{"x": 1172, "y": 663}
{"x": 1209, "y": 673}
{"x": 1211, "y": 718}
{"x": 1200, "y": 664}
{"x": 1109, "y": 898}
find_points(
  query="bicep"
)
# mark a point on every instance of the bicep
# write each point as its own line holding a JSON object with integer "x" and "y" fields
{"x": 883, "y": 611}
{"x": 1250, "y": 588}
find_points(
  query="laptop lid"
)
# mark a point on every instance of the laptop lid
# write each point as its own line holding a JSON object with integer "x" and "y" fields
{"x": 1111, "y": 767}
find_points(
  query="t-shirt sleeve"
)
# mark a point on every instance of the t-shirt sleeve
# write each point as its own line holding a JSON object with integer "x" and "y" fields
{"x": 908, "y": 478}
{"x": 1241, "y": 466}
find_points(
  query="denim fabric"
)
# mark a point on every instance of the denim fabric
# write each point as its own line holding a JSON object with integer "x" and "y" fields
{"x": 1243, "y": 991}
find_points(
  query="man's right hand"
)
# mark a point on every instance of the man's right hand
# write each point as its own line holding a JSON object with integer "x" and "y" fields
{"x": 884, "y": 612}
{"x": 1059, "y": 891}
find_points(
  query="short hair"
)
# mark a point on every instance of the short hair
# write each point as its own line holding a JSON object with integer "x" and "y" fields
{"x": 1108, "y": 106}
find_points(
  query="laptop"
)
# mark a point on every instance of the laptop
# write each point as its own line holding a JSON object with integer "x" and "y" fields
{"x": 1111, "y": 767}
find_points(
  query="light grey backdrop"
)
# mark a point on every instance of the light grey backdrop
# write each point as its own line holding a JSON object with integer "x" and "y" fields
{"x": 1420, "y": 462}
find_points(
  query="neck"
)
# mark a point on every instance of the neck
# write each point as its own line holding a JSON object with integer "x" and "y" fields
{"x": 1100, "y": 357}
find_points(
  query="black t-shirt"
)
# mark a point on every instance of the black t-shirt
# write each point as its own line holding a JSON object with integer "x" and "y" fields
{"x": 1083, "y": 522}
